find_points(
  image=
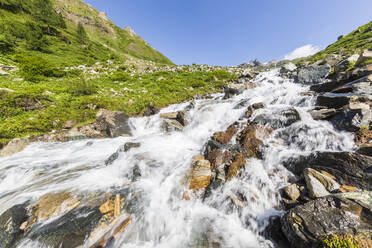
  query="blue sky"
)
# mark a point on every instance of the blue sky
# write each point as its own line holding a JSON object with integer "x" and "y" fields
{"x": 230, "y": 32}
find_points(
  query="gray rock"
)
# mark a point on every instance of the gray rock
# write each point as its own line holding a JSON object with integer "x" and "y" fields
{"x": 364, "y": 56}
{"x": 288, "y": 67}
{"x": 319, "y": 184}
{"x": 332, "y": 100}
{"x": 348, "y": 168}
{"x": 307, "y": 225}
{"x": 113, "y": 123}
{"x": 283, "y": 118}
{"x": 322, "y": 114}
{"x": 172, "y": 125}
{"x": 10, "y": 223}
{"x": 313, "y": 74}
{"x": 68, "y": 231}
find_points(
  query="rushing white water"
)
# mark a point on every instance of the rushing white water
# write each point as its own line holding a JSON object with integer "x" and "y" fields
{"x": 161, "y": 218}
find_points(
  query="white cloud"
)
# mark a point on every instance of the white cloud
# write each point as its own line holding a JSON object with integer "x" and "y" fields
{"x": 303, "y": 51}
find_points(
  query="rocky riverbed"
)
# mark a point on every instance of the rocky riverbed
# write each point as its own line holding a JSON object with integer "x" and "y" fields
{"x": 281, "y": 158}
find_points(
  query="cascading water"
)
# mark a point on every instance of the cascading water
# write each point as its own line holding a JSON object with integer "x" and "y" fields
{"x": 153, "y": 174}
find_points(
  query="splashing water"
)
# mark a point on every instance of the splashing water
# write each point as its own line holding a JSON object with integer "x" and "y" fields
{"x": 161, "y": 218}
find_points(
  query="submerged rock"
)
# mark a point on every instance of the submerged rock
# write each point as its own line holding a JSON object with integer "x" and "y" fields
{"x": 350, "y": 213}
{"x": 280, "y": 119}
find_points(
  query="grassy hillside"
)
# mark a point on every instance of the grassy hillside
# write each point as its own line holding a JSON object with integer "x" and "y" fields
{"x": 67, "y": 32}
{"x": 355, "y": 42}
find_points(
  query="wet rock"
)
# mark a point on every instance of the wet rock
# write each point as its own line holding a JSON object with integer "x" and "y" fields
{"x": 10, "y": 225}
{"x": 14, "y": 146}
{"x": 252, "y": 108}
{"x": 124, "y": 148}
{"x": 365, "y": 150}
{"x": 71, "y": 135}
{"x": 318, "y": 184}
{"x": 130, "y": 145}
{"x": 218, "y": 157}
{"x": 349, "y": 120}
{"x": 226, "y": 136}
{"x": 52, "y": 205}
{"x": 113, "y": 123}
{"x": 322, "y": 113}
{"x": 347, "y": 167}
{"x": 274, "y": 232}
{"x": 171, "y": 115}
{"x": 236, "y": 89}
{"x": 176, "y": 119}
{"x": 280, "y": 119}
{"x": 292, "y": 192}
{"x": 250, "y": 142}
{"x": 236, "y": 165}
{"x": 170, "y": 125}
{"x": 313, "y": 74}
{"x": 332, "y": 101}
{"x": 201, "y": 174}
{"x": 307, "y": 225}
{"x": 70, "y": 230}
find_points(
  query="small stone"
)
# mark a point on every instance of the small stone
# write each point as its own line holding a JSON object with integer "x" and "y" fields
{"x": 292, "y": 192}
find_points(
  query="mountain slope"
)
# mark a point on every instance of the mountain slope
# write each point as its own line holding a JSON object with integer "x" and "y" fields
{"x": 50, "y": 28}
{"x": 355, "y": 42}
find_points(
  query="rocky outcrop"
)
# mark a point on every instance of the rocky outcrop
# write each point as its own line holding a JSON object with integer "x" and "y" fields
{"x": 347, "y": 167}
{"x": 113, "y": 123}
{"x": 350, "y": 213}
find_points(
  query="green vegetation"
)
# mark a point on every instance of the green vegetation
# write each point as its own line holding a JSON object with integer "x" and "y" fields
{"x": 35, "y": 107}
{"x": 355, "y": 42}
{"x": 336, "y": 241}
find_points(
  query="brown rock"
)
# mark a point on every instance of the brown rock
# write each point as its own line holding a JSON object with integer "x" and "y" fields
{"x": 117, "y": 206}
{"x": 237, "y": 164}
{"x": 250, "y": 142}
{"x": 171, "y": 115}
{"x": 218, "y": 157}
{"x": 225, "y": 137}
{"x": 252, "y": 108}
{"x": 201, "y": 175}
{"x": 51, "y": 205}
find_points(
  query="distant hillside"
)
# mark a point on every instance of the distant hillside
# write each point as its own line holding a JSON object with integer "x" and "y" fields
{"x": 355, "y": 42}
{"x": 68, "y": 32}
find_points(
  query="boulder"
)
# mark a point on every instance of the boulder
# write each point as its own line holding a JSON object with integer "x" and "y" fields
{"x": 346, "y": 64}
{"x": 287, "y": 68}
{"x": 68, "y": 231}
{"x": 349, "y": 120}
{"x": 322, "y": 113}
{"x": 170, "y": 125}
{"x": 279, "y": 119}
{"x": 365, "y": 150}
{"x": 14, "y": 146}
{"x": 113, "y": 123}
{"x": 218, "y": 157}
{"x": 226, "y": 136}
{"x": 201, "y": 174}
{"x": 313, "y": 74}
{"x": 10, "y": 225}
{"x": 332, "y": 101}
{"x": 348, "y": 168}
{"x": 319, "y": 184}
{"x": 342, "y": 214}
